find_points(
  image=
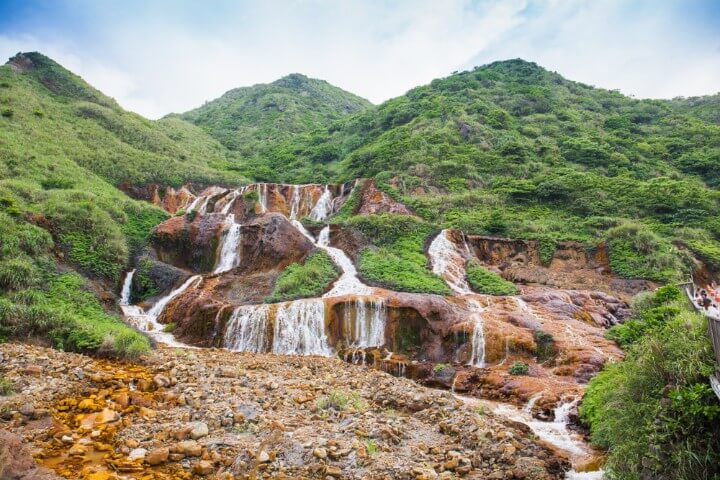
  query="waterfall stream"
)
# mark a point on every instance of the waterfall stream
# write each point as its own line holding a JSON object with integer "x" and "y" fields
{"x": 126, "y": 288}
{"x": 365, "y": 321}
{"x": 348, "y": 283}
{"x": 323, "y": 207}
{"x": 300, "y": 328}
{"x": 229, "y": 255}
{"x": 477, "y": 358}
{"x": 247, "y": 329}
{"x": 449, "y": 262}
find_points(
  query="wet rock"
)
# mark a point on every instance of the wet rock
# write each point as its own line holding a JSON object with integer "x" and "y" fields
{"x": 203, "y": 467}
{"x": 137, "y": 454}
{"x": 190, "y": 448}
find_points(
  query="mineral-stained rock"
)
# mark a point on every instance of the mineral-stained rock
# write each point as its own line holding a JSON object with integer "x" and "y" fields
{"x": 373, "y": 200}
{"x": 157, "y": 456}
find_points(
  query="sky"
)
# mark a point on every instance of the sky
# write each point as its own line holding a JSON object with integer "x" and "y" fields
{"x": 160, "y": 56}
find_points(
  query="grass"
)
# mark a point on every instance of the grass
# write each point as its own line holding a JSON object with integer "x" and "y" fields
{"x": 398, "y": 262}
{"x": 309, "y": 279}
{"x": 341, "y": 400}
{"x": 482, "y": 280}
{"x": 6, "y": 387}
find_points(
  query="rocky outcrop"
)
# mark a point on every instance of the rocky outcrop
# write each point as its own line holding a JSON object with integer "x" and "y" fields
{"x": 372, "y": 200}
{"x": 16, "y": 463}
{"x": 189, "y": 244}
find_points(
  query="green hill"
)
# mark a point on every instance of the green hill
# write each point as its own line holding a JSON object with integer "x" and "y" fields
{"x": 248, "y": 120}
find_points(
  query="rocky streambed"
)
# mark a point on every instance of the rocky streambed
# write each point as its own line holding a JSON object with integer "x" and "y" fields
{"x": 212, "y": 413}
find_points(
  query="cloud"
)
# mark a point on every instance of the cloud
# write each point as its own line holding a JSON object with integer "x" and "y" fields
{"x": 160, "y": 57}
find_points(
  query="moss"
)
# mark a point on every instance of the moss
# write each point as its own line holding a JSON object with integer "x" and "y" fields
{"x": 519, "y": 368}
{"x": 309, "y": 279}
{"x": 545, "y": 348}
{"x": 482, "y": 280}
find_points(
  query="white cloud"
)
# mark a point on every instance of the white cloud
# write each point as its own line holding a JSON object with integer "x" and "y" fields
{"x": 161, "y": 59}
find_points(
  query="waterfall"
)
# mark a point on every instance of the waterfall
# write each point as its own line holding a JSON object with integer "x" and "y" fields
{"x": 194, "y": 203}
{"x": 348, "y": 283}
{"x": 448, "y": 262}
{"x": 229, "y": 255}
{"x": 247, "y": 329}
{"x": 231, "y": 200}
{"x": 323, "y": 207}
{"x": 366, "y": 321}
{"x": 159, "y": 306}
{"x": 477, "y": 358}
{"x": 295, "y": 202}
{"x": 300, "y": 328}
{"x": 127, "y": 285}
{"x": 262, "y": 197}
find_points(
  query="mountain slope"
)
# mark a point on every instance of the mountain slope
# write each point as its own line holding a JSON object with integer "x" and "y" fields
{"x": 250, "y": 119}
{"x": 48, "y": 112}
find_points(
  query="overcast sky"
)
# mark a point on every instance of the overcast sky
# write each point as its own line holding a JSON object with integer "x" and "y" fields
{"x": 157, "y": 57}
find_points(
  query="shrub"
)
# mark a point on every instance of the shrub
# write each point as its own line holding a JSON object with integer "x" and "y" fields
{"x": 168, "y": 328}
{"x": 484, "y": 281}
{"x": 309, "y": 279}
{"x": 519, "y": 368}
{"x": 544, "y": 345}
{"x": 385, "y": 268}
{"x": 339, "y": 400}
{"x": 7, "y": 112}
{"x": 6, "y": 387}
{"x": 655, "y": 411}
{"x": 19, "y": 272}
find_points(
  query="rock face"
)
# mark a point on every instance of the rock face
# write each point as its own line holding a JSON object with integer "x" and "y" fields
{"x": 373, "y": 200}
{"x": 16, "y": 463}
{"x": 287, "y": 417}
{"x": 570, "y": 266}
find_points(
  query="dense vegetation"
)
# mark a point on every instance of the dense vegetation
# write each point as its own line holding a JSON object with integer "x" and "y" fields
{"x": 397, "y": 258}
{"x": 309, "y": 279}
{"x": 482, "y": 280}
{"x": 655, "y": 411}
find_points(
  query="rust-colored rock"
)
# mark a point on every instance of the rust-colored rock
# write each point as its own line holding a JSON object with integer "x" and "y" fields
{"x": 373, "y": 200}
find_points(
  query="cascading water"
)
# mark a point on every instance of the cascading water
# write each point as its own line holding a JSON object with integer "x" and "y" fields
{"x": 127, "y": 285}
{"x": 263, "y": 196}
{"x": 348, "y": 283}
{"x": 448, "y": 262}
{"x": 247, "y": 329}
{"x": 477, "y": 358}
{"x": 323, "y": 207}
{"x": 365, "y": 321}
{"x": 159, "y": 306}
{"x": 231, "y": 200}
{"x": 300, "y": 328}
{"x": 295, "y": 202}
{"x": 229, "y": 256}
{"x": 194, "y": 203}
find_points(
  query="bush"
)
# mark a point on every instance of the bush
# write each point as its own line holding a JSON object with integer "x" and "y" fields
{"x": 655, "y": 411}
{"x": 637, "y": 252}
{"x": 544, "y": 346}
{"x": 519, "y": 368}
{"x": 484, "y": 281}
{"x": 6, "y": 387}
{"x": 19, "y": 272}
{"x": 309, "y": 279}
{"x": 384, "y": 268}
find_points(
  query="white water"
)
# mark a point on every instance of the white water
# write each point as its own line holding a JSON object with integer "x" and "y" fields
{"x": 348, "y": 283}
{"x": 127, "y": 285}
{"x": 194, "y": 204}
{"x": 247, "y": 329}
{"x": 231, "y": 200}
{"x": 159, "y": 306}
{"x": 295, "y": 202}
{"x": 555, "y": 432}
{"x": 229, "y": 253}
{"x": 300, "y": 328}
{"x": 366, "y": 319}
{"x": 262, "y": 197}
{"x": 448, "y": 262}
{"x": 477, "y": 359}
{"x": 323, "y": 207}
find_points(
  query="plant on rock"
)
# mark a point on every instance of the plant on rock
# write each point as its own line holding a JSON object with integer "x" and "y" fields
{"x": 309, "y": 279}
{"x": 519, "y": 368}
{"x": 482, "y": 280}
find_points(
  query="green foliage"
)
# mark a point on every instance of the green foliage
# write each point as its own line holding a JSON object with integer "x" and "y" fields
{"x": 519, "y": 368}
{"x": 143, "y": 283}
{"x": 399, "y": 262}
{"x": 340, "y": 400}
{"x": 545, "y": 348}
{"x": 482, "y": 280}
{"x": 6, "y": 387}
{"x": 309, "y": 279}
{"x": 656, "y": 409}
{"x": 168, "y": 328}
{"x": 16, "y": 273}
{"x": 439, "y": 367}
{"x": 637, "y": 252}
{"x": 371, "y": 447}
{"x": 141, "y": 219}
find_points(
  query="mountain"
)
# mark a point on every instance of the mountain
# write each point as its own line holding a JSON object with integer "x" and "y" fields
{"x": 248, "y": 119}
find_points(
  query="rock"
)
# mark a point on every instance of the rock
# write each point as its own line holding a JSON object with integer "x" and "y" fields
{"x": 107, "y": 416}
{"x": 203, "y": 467}
{"x": 190, "y": 448}
{"x": 263, "y": 457}
{"x": 137, "y": 454}
{"x": 161, "y": 381}
{"x": 199, "y": 430}
{"x": 20, "y": 464}
{"x": 320, "y": 453}
{"x": 157, "y": 456}
{"x": 27, "y": 409}
{"x": 333, "y": 471}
